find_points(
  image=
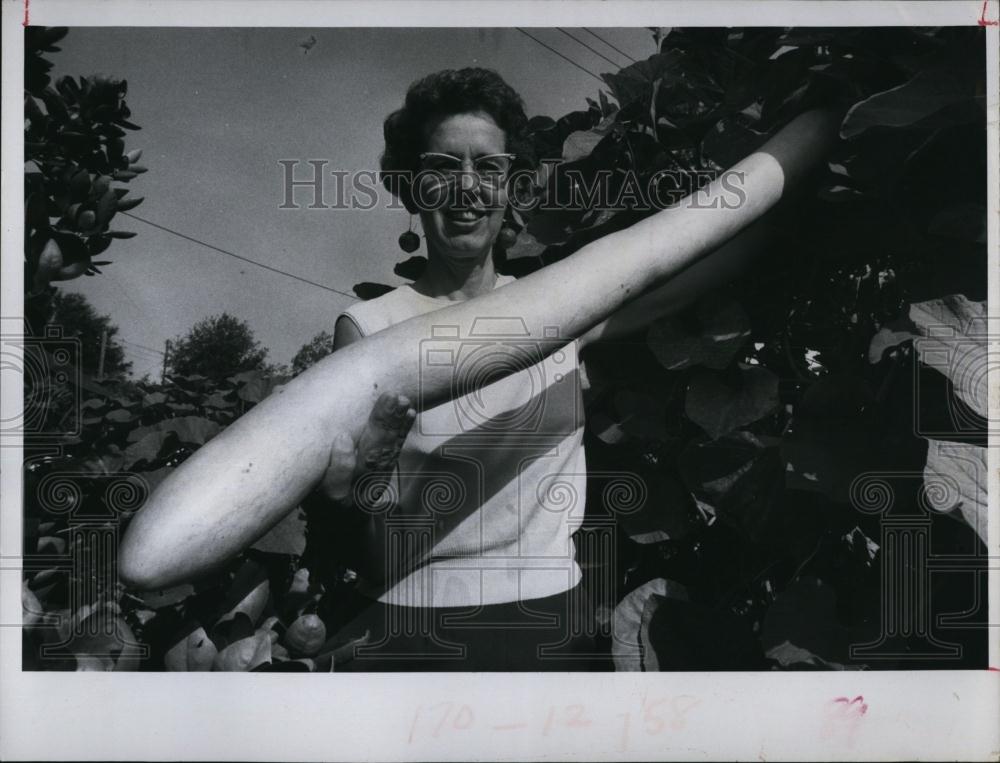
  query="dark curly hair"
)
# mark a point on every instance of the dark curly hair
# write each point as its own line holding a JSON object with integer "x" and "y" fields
{"x": 443, "y": 94}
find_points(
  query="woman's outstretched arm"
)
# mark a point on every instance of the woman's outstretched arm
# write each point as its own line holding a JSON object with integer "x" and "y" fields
{"x": 240, "y": 484}
{"x": 682, "y": 290}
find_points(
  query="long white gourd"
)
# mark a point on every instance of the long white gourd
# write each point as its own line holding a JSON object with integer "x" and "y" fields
{"x": 241, "y": 483}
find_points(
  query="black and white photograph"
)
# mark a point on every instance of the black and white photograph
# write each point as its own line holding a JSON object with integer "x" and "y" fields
{"x": 591, "y": 350}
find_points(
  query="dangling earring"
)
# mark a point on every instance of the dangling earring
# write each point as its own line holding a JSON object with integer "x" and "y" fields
{"x": 506, "y": 238}
{"x": 409, "y": 241}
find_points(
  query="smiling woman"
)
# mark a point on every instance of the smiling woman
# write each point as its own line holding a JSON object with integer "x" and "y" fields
{"x": 467, "y": 554}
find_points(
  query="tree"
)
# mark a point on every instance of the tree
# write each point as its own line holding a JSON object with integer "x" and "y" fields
{"x": 74, "y": 150}
{"x": 312, "y": 352}
{"x": 217, "y": 347}
{"x": 78, "y": 318}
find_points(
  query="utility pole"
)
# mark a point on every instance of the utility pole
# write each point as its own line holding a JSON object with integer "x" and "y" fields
{"x": 166, "y": 354}
{"x": 100, "y": 362}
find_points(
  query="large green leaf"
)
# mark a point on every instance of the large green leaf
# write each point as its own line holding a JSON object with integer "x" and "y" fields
{"x": 889, "y": 337}
{"x": 217, "y": 400}
{"x": 118, "y": 416}
{"x": 526, "y": 246}
{"x": 148, "y": 448}
{"x": 243, "y": 377}
{"x": 955, "y": 480}
{"x": 954, "y": 341}
{"x": 257, "y": 389}
{"x": 411, "y": 268}
{"x": 629, "y": 647}
{"x": 710, "y": 337}
{"x": 923, "y": 96}
{"x": 736, "y": 478}
{"x": 718, "y": 405}
{"x": 635, "y": 82}
{"x": 580, "y": 144}
{"x": 194, "y": 430}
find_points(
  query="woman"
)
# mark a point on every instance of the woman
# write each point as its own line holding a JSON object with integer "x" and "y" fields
{"x": 489, "y": 550}
{"x": 451, "y": 571}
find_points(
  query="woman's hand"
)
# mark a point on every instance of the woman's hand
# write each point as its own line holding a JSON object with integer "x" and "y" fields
{"x": 375, "y": 452}
{"x": 377, "y": 447}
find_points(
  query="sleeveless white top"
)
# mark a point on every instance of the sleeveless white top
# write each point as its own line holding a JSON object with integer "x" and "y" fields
{"x": 490, "y": 486}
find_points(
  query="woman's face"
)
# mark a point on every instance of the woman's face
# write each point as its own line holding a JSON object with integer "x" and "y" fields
{"x": 468, "y": 222}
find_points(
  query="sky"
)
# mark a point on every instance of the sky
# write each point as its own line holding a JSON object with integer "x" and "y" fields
{"x": 220, "y": 108}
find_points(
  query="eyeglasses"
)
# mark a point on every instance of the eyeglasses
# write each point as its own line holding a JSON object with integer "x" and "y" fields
{"x": 491, "y": 170}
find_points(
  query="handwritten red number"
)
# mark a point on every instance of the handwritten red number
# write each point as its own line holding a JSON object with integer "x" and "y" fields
{"x": 626, "y": 722}
{"x": 463, "y": 719}
{"x": 549, "y": 719}
{"x": 444, "y": 717}
{"x": 576, "y": 718}
{"x": 654, "y": 722}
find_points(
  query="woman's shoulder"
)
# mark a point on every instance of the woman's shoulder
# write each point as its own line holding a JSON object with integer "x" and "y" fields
{"x": 394, "y": 306}
{"x": 397, "y": 305}
{"x": 368, "y": 314}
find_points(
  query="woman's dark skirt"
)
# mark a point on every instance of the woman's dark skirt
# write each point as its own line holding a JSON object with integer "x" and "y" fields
{"x": 556, "y": 633}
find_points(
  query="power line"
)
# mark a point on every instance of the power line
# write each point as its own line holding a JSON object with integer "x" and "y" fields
{"x": 143, "y": 346}
{"x": 565, "y": 58}
{"x": 592, "y": 50}
{"x": 136, "y": 344}
{"x": 617, "y": 50}
{"x": 117, "y": 340}
{"x": 145, "y": 355}
{"x": 237, "y": 256}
